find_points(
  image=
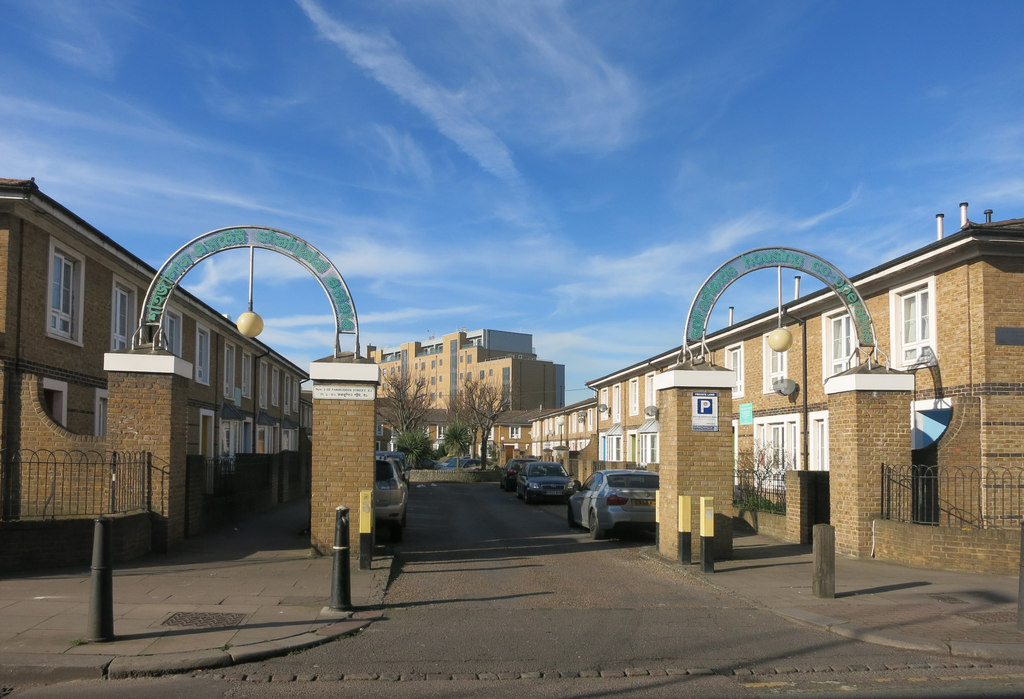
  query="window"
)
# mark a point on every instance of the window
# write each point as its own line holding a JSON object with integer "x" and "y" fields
{"x": 648, "y": 448}
{"x": 515, "y": 432}
{"x": 774, "y": 365}
{"x": 287, "y": 390}
{"x": 66, "y": 289}
{"x": 614, "y": 447}
{"x": 229, "y": 371}
{"x": 634, "y": 396}
{"x": 172, "y": 331}
{"x": 734, "y": 361}
{"x": 263, "y": 385}
{"x": 55, "y": 399}
{"x": 604, "y": 401}
{"x": 776, "y": 441}
{"x": 819, "y": 440}
{"x": 650, "y": 398}
{"x": 913, "y": 311}
{"x": 100, "y": 413}
{"x": 275, "y": 386}
{"x": 295, "y": 395}
{"x": 122, "y": 315}
{"x": 202, "y": 355}
{"x": 246, "y": 375}
{"x": 838, "y": 342}
{"x": 617, "y": 403}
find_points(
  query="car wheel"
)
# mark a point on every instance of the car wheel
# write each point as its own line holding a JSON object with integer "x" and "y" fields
{"x": 527, "y": 499}
{"x": 596, "y": 532}
{"x": 396, "y": 531}
{"x": 569, "y": 518}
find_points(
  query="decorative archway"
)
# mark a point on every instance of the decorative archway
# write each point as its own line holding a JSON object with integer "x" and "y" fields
{"x": 763, "y": 258}
{"x": 189, "y": 255}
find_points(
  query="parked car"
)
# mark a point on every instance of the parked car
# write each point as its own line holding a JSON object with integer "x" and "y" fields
{"x": 400, "y": 458}
{"x": 541, "y": 480}
{"x": 611, "y": 500}
{"x": 458, "y": 462}
{"x": 512, "y": 466}
{"x": 390, "y": 497}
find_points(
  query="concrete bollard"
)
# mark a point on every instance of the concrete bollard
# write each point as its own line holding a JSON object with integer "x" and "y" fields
{"x": 341, "y": 574}
{"x": 101, "y": 600}
{"x": 823, "y": 578}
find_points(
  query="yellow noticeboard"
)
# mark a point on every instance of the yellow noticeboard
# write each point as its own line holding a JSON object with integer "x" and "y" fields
{"x": 365, "y": 511}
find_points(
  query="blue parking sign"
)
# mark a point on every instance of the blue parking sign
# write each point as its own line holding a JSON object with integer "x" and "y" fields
{"x": 705, "y": 411}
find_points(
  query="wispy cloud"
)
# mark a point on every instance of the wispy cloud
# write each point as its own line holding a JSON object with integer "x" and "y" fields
{"x": 382, "y": 57}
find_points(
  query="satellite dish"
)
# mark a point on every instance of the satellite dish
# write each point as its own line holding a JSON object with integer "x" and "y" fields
{"x": 784, "y": 387}
{"x": 651, "y": 411}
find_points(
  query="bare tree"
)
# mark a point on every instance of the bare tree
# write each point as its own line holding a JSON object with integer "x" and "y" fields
{"x": 404, "y": 403}
{"x": 479, "y": 404}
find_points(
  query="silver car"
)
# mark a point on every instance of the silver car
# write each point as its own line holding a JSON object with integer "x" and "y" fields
{"x": 614, "y": 500}
{"x": 390, "y": 497}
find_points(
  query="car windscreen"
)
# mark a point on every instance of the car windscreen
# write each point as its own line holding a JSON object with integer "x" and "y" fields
{"x": 384, "y": 472}
{"x": 647, "y": 481}
{"x": 546, "y": 470}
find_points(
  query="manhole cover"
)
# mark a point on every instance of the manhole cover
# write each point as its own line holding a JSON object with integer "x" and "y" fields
{"x": 991, "y": 617}
{"x": 948, "y": 599}
{"x": 204, "y": 619}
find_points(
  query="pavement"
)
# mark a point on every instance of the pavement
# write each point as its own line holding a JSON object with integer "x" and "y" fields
{"x": 254, "y": 590}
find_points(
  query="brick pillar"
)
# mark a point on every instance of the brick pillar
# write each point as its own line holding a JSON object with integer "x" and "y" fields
{"x": 694, "y": 462}
{"x": 869, "y": 424}
{"x": 344, "y": 424}
{"x": 147, "y": 398}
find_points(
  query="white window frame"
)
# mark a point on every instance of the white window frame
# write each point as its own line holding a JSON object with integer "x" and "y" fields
{"x": 647, "y": 449}
{"x": 818, "y": 440}
{"x": 897, "y": 325}
{"x": 634, "y": 396}
{"x": 614, "y": 448}
{"x": 515, "y": 432}
{"x": 203, "y": 340}
{"x": 275, "y": 386}
{"x": 121, "y": 338}
{"x": 831, "y": 364}
{"x": 775, "y": 365}
{"x": 604, "y": 402}
{"x": 650, "y": 395}
{"x": 296, "y": 395}
{"x": 100, "y": 412}
{"x": 734, "y": 361}
{"x": 174, "y": 324}
{"x": 263, "y": 383}
{"x": 286, "y": 389}
{"x": 246, "y": 374}
{"x": 229, "y": 371}
{"x": 60, "y": 388}
{"x": 617, "y": 403}
{"x": 772, "y": 429}
{"x": 68, "y": 311}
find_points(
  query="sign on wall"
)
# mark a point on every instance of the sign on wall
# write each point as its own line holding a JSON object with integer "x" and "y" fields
{"x": 704, "y": 415}
{"x": 746, "y": 413}
{"x": 343, "y": 392}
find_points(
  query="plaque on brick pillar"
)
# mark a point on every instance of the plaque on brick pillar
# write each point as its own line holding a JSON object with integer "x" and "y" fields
{"x": 147, "y": 411}
{"x": 344, "y": 426}
{"x": 869, "y": 424}
{"x": 695, "y": 416}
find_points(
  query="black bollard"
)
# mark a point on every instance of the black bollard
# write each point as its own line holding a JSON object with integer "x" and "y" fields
{"x": 341, "y": 575}
{"x": 823, "y": 575}
{"x": 1020, "y": 583}
{"x": 101, "y": 601}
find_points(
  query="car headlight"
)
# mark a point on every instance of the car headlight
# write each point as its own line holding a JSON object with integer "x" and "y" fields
{"x": 531, "y": 484}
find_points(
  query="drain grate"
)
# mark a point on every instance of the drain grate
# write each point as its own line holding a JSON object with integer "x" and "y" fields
{"x": 208, "y": 620}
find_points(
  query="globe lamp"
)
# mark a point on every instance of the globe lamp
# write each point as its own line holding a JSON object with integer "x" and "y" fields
{"x": 249, "y": 324}
{"x": 780, "y": 339}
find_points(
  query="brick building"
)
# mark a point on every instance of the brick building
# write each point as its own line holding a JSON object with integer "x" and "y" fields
{"x": 68, "y": 296}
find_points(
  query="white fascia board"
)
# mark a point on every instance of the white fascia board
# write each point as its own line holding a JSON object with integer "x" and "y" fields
{"x": 682, "y": 378}
{"x": 869, "y": 382}
{"x": 147, "y": 363}
{"x": 344, "y": 371}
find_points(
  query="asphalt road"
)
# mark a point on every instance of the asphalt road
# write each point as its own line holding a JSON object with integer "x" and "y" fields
{"x": 493, "y": 597}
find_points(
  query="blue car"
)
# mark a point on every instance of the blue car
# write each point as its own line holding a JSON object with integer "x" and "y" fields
{"x": 542, "y": 480}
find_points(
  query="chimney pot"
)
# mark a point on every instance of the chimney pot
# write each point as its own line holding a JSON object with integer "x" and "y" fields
{"x": 988, "y": 215}
{"x": 963, "y": 214}
{"x": 938, "y": 226}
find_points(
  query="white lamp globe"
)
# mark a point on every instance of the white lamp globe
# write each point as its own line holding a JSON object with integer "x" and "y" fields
{"x": 780, "y": 339}
{"x": 249, "y": 324}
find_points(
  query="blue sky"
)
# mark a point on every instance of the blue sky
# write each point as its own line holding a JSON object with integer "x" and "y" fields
{"x": 574, "y": 170}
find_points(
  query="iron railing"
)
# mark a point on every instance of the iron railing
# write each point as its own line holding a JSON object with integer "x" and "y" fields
{"x": 43, "y": 484}
{"x": 760, "y": 490}
{"x": 989, "y": 497}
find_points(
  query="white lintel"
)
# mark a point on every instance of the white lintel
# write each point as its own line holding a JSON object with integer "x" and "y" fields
{"x": 350, "y": 372}
{"x": 688, "y": 378}
{"x": 869, "y": 382}
{"x": 145, "y": 363}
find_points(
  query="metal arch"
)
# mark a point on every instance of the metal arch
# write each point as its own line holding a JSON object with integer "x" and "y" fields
{"x": 762, "y": 258}
{"x": 150, "y": 330}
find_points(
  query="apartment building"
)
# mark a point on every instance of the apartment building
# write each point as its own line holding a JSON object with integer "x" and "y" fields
{"x": 69, "y": 294}
{"x": 501, "y": 358}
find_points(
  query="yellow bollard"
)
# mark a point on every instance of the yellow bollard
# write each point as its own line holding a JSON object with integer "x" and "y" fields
{"x": 365, "y": 529}
{"x": 684, "y": 529}
{"x": 707, "y": 535}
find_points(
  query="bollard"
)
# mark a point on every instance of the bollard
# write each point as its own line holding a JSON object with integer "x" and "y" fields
{"x": 1020, "y": 583}
{"x": 657, "y": 518}
{"x": 365, "y": 529}
{"x": 684, "y": 527}
{"x": 101, "y": 601}
{"x": 341, "y": 574}
{"x": 823, "y": 578}
{"x": 707, "y": 535}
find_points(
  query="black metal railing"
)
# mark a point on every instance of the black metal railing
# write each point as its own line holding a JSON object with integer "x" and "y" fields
{"x": 43, "y": 484}
{"x": 760, "y": 490}
{"x": 989, "y": 497}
